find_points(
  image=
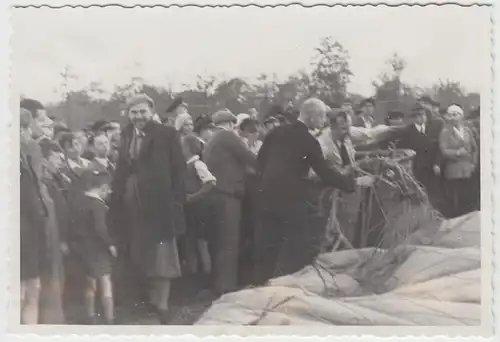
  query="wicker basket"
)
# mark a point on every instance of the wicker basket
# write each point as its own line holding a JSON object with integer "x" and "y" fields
{"x": 374, "y": 214}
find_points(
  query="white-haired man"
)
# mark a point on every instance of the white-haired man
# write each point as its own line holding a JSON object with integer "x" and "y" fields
{"x": 285, "y": 242}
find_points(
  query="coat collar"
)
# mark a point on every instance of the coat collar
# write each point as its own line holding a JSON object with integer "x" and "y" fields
{"x": 148, "y": 131}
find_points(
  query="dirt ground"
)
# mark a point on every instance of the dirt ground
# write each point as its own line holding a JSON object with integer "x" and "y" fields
{"x": 187, "y": 304}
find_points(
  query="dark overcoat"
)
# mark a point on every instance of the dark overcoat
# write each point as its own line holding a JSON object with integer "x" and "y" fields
{"x": 32, "y": 214}
{"x": 289, "y": 236}
{"x": 159, "y": 170}
{"x": 426, "y": 147}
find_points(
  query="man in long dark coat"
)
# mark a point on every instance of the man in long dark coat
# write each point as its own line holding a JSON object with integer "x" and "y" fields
{"x": 228, "y": 158}
{"x": 148, "y": 197}
{"x": 32, "y": 215}
{"x": 285, "y": 241}
{"x": 422, "y": 136}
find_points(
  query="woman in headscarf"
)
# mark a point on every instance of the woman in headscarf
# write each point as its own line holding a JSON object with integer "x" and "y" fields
{"x": 460, "y": 154}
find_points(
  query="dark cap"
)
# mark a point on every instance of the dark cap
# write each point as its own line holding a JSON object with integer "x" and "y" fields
{"x": 394, "y": 115}
{"x": 429, "y": 100}
{"x": 101, "y": 126}
{"x": 32, "y": 106}
{"x": 417, "y": 109}
{"x": 203, "y": 122}
{"x": 364, "y": 102}
{"x": 176, "y": 103}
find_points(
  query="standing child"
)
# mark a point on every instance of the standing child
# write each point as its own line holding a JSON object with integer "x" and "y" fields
{"x": 199, "y": 183}
{"x": 53, "y": 188}
{"x": 100, "y": 146}
{"x": 93, "y": 243}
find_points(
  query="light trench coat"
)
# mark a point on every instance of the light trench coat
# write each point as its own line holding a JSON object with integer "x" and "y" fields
{"x": 345, "y": 207}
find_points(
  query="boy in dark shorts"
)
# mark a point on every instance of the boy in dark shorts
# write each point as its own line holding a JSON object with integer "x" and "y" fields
{"x": 94, "y": 244}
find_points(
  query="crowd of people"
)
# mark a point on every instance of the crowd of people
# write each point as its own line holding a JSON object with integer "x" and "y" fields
{"x": 221, "y": 199}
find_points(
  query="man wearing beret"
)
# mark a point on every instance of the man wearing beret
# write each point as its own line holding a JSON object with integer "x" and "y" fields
{"x": 147, "y": 199}
{"x": 228, "y": 158}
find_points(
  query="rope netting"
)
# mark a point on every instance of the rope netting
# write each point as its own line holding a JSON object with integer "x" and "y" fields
{"x": 407, "y": 277}
{"x": 404, "y": 209}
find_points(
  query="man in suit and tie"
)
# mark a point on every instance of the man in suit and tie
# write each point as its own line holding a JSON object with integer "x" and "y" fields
{"x": 422, "y": 136}
{"x": 285, "y": 242}
{"x": 148, "y": 197}
{"x": 228, "y": 158}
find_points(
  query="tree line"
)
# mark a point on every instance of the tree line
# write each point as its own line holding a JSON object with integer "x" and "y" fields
{"x": 328, "y": 80}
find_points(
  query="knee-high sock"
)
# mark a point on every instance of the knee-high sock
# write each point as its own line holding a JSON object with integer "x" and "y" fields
{"x": 163, "y": 293}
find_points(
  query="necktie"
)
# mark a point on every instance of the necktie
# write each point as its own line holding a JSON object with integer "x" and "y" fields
{"x": 135, "y": 145}
{"x": 344, "y": 155}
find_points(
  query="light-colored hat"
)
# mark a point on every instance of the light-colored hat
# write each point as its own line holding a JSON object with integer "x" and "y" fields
{"x": 454, "y": 112}
{"x": 223, "y": 116}
{"x": 455, "y": 109}
{"x": 139, "y": 98}
{"x": 181, "y": 120}
{"x": 240, "y": 117}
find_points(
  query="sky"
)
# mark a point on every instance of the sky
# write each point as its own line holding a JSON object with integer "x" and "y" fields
{"x": 169, "y": 47}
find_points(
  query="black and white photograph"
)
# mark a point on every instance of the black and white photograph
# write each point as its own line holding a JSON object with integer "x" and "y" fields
{"x": 289, "y": 167}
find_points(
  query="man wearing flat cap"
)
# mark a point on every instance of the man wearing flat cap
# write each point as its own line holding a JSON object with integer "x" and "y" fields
{"x": 147, "y": 199}
{"x": 422, "y": 136}
{"x": 365, "y": 118}
{"x": 228, "y": 158}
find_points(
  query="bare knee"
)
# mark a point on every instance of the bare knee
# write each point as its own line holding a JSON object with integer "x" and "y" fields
{"x": 31, "y": 290}
{"x": 106, "y": 286}
{"x": 90, "y": 287}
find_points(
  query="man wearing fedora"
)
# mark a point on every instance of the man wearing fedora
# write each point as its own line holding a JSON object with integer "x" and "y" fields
{"x": 422, "y": 136}
{"x": 228, "y": 158}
